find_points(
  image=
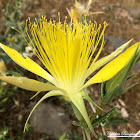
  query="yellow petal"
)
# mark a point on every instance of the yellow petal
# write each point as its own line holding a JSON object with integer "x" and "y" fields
{"x": 106, "y": 59}
{"x": 112, "y": 68}
{"x": 28, "y": 84}
{"x": 27, "y": 63}
{"x": 2, "y": 68}
{"x": 49, "y": 94}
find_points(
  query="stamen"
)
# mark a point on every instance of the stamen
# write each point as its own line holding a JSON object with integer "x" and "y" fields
{"x": 66, "y": 50}
{"x": 21, "y": 35}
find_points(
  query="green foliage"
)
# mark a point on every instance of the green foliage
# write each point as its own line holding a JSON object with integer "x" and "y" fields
{"x": 4, "y": 133}
{"x": 13, "y": 73}
{"x": 3, "y": 97}
{"x": 11, "y": 38}
{"x": 63, "y": 137}
{"x": 103, "y": 118}
{"x": 114, "y": 121}
{"x": 5, "y": 94}
{"x": 102, "y": 137}
{"x": 75, "y": 123}
{"x": 74, "y": 137}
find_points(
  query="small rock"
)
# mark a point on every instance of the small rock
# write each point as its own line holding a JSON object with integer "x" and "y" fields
{"x": 20, "y": 117}
{"x": 114, "y": 41}
{"x": 121, "y": 102}
{"x": 124, "y": 113}
{"x": 118, "y": 105}
{"x": 135, "y": 12}
{"x": 51, "y": 120}
{"x": 136, "y": 67}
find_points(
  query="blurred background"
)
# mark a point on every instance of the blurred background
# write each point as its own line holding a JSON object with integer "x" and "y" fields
{"x": 54, "y": 116}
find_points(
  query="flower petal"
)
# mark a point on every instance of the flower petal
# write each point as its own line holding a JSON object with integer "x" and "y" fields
{"x": 106, "y": 59}
{"x": 27, "y": 63}
{"x": 77, "y": 100}
{"x": 113, "y": 67}
{"x": 28, "y": 84}
{"x": 49, "y": 94}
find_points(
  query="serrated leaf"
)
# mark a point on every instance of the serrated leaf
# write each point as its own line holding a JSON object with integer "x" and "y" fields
{"x": 100, "y": 119}
{"x": 114, "y": 121}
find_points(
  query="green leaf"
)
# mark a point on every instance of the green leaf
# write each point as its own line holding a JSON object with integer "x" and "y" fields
{"x": 114, "y": 121}
{"x": 78, "y": 124}
{"x": 8, "y": 8}
{"x": 130, "y": 76}
{"x": 126, "y": 89}
{"x": 63, "y": 137}
{"x": 103, "y": 118}
{"x": 13, "y": 73}
{"x": 74, "y": 137}
{"x": 84, "y": 94}
{"x": 103, "y": 137}
{"x": 3, "y": 100}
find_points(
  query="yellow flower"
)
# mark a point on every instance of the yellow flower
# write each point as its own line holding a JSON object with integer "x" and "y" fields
{"x": 67, "y": 52}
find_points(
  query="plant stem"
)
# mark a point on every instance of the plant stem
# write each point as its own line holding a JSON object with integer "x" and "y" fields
{"x": 96, "y": 113}
{"x": 84, "y": 137}
{"x": 87, "y": 134}
{"x": 103, "y": 130}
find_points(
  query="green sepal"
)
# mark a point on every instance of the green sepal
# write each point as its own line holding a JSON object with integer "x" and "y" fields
{"x": 78, "y": 101}
{"x": 77, "y": 113}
